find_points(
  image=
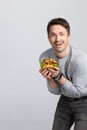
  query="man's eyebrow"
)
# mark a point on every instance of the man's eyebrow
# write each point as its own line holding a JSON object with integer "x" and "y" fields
{"x": 52, "y": 32}
{"x": 61, "y": 31}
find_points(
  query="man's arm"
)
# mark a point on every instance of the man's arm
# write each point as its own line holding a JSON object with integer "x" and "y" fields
{"x": 77, "y": 87}
{"x": 52, "y": 84}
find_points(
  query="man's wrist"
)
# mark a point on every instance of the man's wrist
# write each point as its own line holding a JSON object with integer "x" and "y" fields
{"x": 58, "y": 78}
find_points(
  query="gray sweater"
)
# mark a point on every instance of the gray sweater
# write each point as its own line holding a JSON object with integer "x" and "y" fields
{"x": 74, "y": 68}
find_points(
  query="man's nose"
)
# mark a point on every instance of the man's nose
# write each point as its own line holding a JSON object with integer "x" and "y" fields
{"x": 57, "y": 37}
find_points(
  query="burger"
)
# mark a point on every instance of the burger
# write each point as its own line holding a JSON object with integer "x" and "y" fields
{"x": 49, "y": 63}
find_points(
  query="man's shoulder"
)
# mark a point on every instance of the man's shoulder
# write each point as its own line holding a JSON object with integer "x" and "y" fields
{"x": 45, "y": 54}
{"x": 78, "y": 55}
{"x": 78, "y": 52}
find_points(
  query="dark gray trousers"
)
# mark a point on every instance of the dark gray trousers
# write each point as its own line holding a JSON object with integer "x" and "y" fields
{"x": 69, "y": 111}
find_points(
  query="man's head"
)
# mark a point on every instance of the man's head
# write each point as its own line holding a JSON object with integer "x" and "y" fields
{"x": 59, "y": 21}
{"x": 58, "y": 30}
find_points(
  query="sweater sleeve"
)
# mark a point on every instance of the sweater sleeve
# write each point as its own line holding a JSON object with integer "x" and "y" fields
{"x": 55, "y": 91}
{"x": 78, "y": 86}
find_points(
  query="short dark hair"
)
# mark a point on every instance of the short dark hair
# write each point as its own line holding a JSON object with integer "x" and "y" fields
{"x": 58, "y": 21}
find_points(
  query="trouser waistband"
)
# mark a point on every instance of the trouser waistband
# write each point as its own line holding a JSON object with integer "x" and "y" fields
{"x": 73, "y": 99}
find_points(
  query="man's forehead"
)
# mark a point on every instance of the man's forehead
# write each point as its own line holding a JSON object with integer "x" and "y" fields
{"x": 57, "y": 28}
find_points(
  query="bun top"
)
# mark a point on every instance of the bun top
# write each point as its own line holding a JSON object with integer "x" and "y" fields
{"x": 49, "y": 63}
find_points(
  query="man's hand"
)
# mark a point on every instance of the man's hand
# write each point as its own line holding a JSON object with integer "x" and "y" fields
{"x": 50, "y": 73}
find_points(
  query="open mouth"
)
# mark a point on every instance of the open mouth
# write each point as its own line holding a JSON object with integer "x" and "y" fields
{"x": 59, "y": 45}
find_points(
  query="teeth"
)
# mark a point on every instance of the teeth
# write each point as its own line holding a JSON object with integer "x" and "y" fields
{"x": 59, "y": 44}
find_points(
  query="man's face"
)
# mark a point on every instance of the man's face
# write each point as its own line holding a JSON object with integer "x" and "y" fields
{"x": 58, "y": 38}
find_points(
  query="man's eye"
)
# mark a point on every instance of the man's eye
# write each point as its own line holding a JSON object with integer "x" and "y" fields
{"x": 62, "y": 34}
{"x": 52, "y": 35}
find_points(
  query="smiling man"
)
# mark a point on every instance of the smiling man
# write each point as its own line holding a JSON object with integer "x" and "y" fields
{"x": 68, "y": 79}
{"x": 59, "y": 39}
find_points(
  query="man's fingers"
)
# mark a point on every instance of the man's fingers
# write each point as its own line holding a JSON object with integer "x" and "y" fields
{"x": 46, "y": 73}
{"x": 53, "y": 70}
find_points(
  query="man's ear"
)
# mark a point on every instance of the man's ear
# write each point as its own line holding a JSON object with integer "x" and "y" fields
{"x": 48, "y": 38}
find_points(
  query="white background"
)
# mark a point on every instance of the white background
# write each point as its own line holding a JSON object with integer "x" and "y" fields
{"x": 25, "y": 103}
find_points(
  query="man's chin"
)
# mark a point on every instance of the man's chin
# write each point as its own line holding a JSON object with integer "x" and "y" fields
{"x": 59, "y": 51}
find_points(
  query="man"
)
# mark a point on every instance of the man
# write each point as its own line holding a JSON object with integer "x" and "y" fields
{"x": 69, "y": 79}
